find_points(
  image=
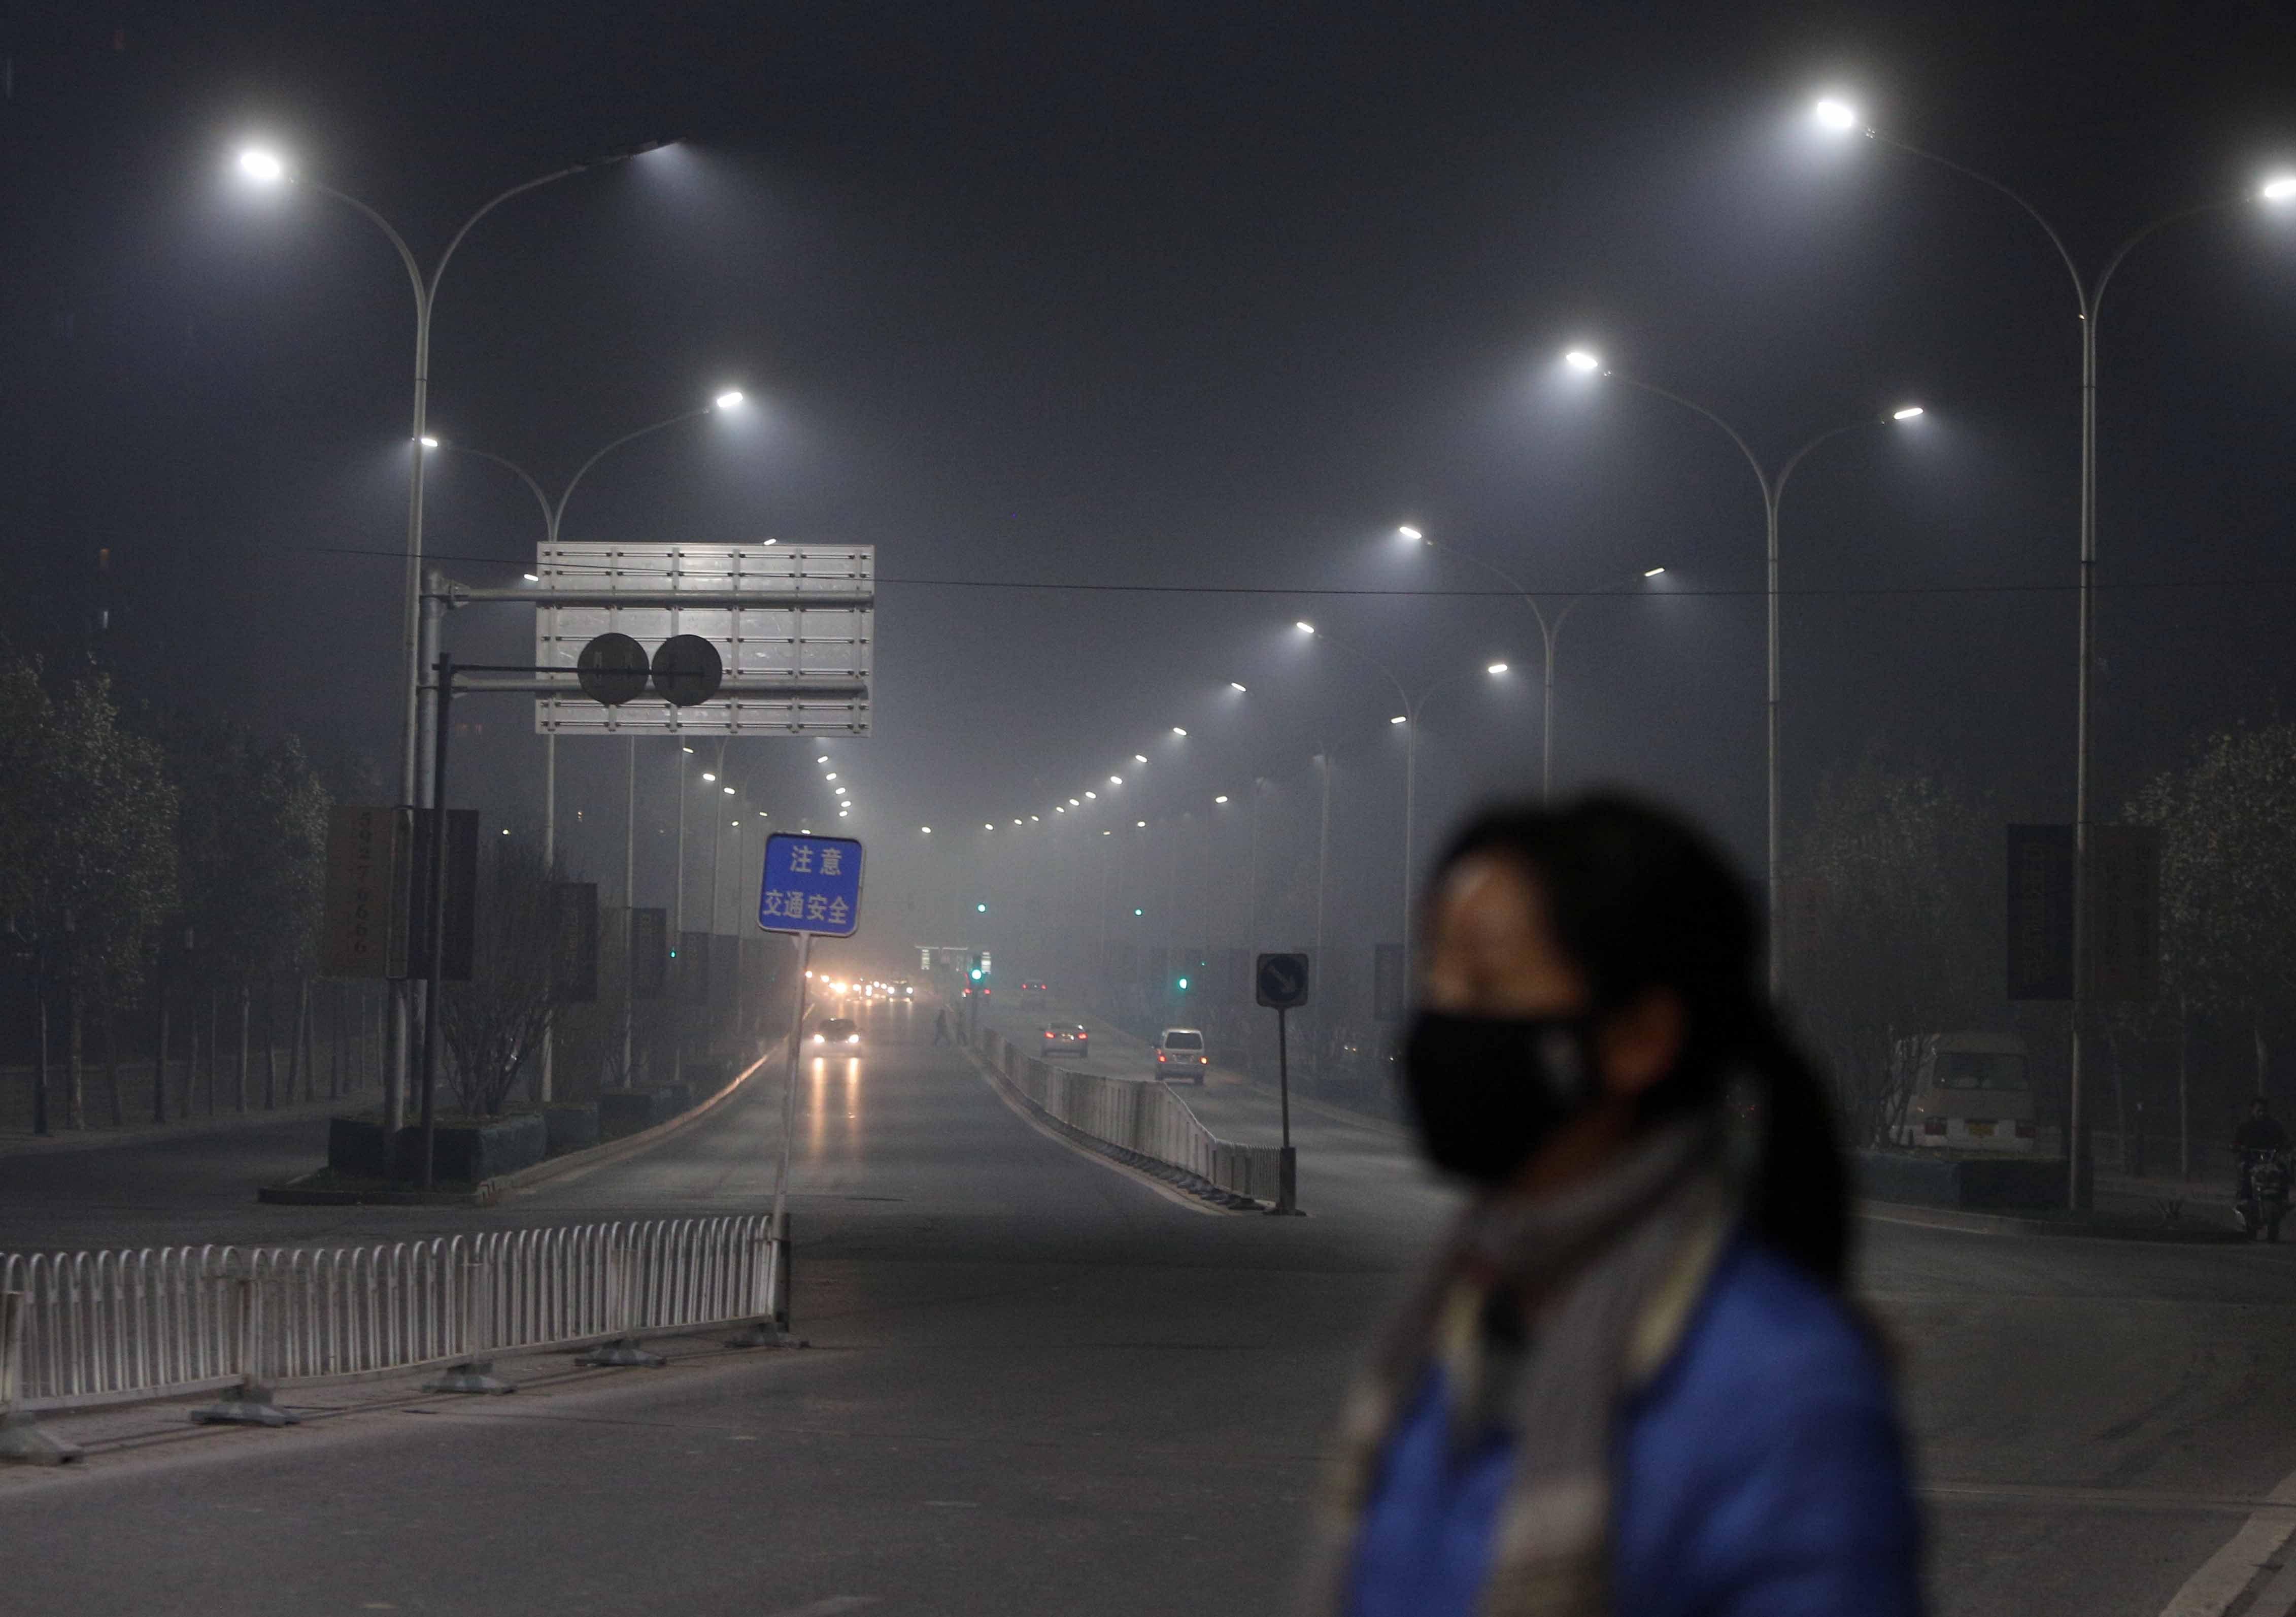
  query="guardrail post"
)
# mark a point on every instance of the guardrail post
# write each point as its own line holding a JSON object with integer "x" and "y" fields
{"x": 622, "y": 1353}
{"x": 21, "y": 1441}
{"x": 249, "y": 1404}
{"x": 474, "y": 1372}
{"x": 770, "y": 1328}
{"x": 1287, "y": 1183}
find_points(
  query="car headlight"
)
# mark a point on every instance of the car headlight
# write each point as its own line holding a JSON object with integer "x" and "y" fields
{"x": 854, "y": 1040}
{"x": 818, "y": 1039}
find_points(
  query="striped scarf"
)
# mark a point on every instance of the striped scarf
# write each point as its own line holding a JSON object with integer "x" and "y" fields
{"x": 1544, "y": 1316}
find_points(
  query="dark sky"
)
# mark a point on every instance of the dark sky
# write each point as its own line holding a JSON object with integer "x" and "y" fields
{"x": 1185, "y": 295}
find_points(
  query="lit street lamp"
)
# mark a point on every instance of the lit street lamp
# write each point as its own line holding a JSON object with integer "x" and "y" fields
{"x": 1548, "y": 633}
{"x": 1774, "y": 487}
{"x": 554, "y": 515}
{"x": 1409, "y": 719}
{"x": 1838, "y": 117}
{"x": 264, "y": 167}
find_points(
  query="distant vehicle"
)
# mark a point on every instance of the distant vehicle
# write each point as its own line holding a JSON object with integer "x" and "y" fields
{"x": 1180, "y": 1056}
{"x": 837, "y": 1030}
{"x": 1966, "y": 1091}
{"x": 1068, "y": 1039}
{"x": 1033, "y": 996}
{"x": 903, "y": 988}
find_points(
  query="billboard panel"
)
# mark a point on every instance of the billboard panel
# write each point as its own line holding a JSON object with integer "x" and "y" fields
{"x": 830, "y": 643}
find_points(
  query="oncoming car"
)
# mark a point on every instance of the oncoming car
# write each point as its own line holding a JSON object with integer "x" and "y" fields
{"x": 1180, "y": 1055}
{"x": 1068, "y": 1039}
{"x": 837, "y": 1032}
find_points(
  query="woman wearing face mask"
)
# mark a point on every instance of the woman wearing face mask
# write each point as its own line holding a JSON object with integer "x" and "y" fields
{"x": 1631, "y": 1383}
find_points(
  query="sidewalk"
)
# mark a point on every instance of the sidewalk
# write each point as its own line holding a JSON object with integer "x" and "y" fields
{"x": 23, "y": 1142}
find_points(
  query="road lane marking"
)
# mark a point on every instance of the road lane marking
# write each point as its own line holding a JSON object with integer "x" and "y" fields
{"x": 827, "y": 1608}
{"x": 2224, "y": 1577}
{"x": 2098, "y": 1498}
{"x": 2276, "y": 1598}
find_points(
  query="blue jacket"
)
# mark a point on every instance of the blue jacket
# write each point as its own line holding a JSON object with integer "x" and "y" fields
{"x": 1760, "y": 1474}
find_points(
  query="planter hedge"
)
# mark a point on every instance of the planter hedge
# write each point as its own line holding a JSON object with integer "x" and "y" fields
{"x": 570, "y": 1126}
{"x": 1933, "y": 1179}
{"x": 468, "y": 1150}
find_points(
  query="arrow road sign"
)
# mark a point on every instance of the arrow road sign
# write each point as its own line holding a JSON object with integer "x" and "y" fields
{"x": 1281, "y": 981}
{"x": 811, "y": 884}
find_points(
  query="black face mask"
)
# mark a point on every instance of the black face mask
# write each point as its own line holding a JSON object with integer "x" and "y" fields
{"x": 1487, "y": 1091}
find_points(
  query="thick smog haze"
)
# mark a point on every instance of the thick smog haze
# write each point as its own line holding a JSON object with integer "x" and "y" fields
{"x": 1272, "y": 437}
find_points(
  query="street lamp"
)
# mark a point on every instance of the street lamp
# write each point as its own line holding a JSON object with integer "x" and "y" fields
{"x": 1549, "y": 633}
{"x": 1412, "y": 708}
{"x": 554, "y": 516}
{"x": 1839, "y": 119}
{"x": 264, "y": 167}
{"x": 1774, "y": 487}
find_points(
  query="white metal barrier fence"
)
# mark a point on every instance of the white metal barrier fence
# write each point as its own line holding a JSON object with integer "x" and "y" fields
{"x": 107, "y": 1327}
{"x": 1138, "y": 1115}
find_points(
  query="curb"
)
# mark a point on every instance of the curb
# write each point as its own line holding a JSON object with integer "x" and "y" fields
{"x": 1924, "y": 1217}
{"x": 23, "y": 1144}
{"x": 493, "y": 1191}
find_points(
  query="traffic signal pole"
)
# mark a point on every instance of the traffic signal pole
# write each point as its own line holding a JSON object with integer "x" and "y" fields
{"x": 1287, "y": 1180}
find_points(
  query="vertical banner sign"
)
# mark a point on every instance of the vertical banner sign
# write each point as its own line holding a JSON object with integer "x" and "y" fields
{"x": 2123, "y": 914}
{"x": 574, "y": 940}
{"x": 811, "y": 884}
{"x": 649, "y": 953}
{"x": 2040, "y": 912}
{"x": 1390, "y": 996}
{"x": 364, "y": 929}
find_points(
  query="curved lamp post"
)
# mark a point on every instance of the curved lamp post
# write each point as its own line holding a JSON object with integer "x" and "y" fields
{"x": 1549, "y": 631}
{"x": 554, "y": 514}
{"x": 1773, "y": 485}
{"x": 1837, "y": 116}
{"x": 264, "y": 167}
{"x": 1413, "y": 706}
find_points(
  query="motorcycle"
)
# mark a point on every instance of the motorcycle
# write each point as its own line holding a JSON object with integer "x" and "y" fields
{"x": 2263, "y": 1199}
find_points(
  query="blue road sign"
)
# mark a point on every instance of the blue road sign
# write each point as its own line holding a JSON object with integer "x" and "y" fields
{"x": 812, "y": 884}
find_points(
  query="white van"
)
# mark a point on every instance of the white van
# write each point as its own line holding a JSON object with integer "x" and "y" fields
{"x": 1964, "y": 1091}
{"x": 1180, "y": 1056}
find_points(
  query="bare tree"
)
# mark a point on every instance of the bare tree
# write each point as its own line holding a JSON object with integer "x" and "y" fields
{"x": 1891, "y": 925}
{"x": 2228, "y": 878}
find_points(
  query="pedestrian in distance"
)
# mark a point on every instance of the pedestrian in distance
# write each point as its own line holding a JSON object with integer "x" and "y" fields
{"x": 940, "y": 1026}
{"x": 1631, "y": 1381}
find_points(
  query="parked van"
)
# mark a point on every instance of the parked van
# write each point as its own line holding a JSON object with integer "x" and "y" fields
{"x": 1966, "y": 1091}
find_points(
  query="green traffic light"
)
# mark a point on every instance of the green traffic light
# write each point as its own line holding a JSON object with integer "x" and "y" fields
{"x": 1183, "y": 984}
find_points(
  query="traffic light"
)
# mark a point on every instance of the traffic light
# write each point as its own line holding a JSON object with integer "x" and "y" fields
{"x": 980, "y": 908}
{"x": 1183, "y": 985}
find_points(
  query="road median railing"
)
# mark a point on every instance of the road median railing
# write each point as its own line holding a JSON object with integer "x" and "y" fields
{"x": 1138, "y": 1119}
{"x": 81, "y": 1329}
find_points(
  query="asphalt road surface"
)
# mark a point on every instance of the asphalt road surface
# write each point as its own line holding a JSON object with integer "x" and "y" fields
{"x": 1039, "y": 1384}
